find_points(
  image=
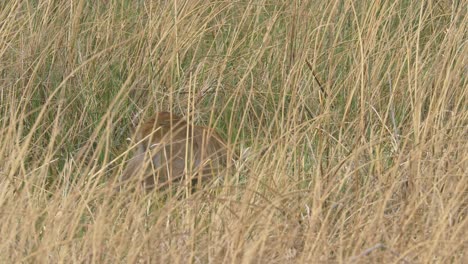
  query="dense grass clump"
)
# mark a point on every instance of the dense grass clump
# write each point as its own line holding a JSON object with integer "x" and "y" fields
{"x": 350, "y": 119}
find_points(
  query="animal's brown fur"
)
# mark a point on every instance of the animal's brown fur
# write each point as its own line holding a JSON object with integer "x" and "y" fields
{"x": 169, "y": 149}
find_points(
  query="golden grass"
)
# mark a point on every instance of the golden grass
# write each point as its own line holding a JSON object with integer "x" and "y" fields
{"x": 350, "y": 117}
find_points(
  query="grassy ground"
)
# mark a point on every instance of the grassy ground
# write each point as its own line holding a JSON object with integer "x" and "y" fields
{"x": 351, "y": 118}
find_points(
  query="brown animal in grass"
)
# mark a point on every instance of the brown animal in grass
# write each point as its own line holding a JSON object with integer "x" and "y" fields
{"x": 169, "y": 150}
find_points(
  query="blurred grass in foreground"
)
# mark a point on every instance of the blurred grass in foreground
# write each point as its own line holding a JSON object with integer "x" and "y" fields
{"x": 371, "y": 169}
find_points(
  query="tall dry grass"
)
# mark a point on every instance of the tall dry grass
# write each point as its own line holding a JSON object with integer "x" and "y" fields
{"x": 350, "y": 116}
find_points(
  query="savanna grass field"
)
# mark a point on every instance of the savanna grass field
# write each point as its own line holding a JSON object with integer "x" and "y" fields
{"x": 348, "y": 120}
